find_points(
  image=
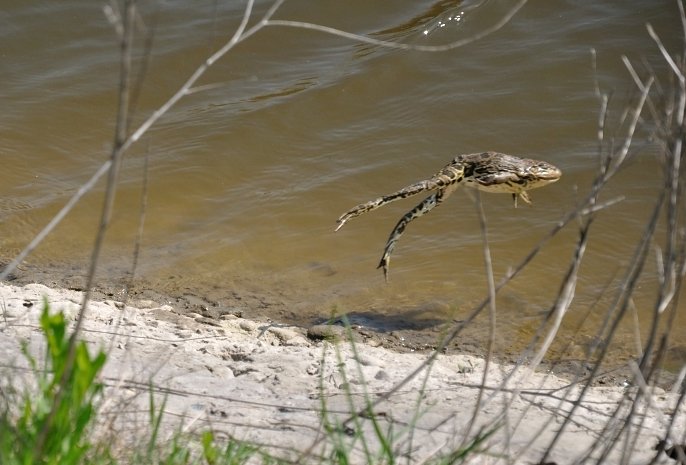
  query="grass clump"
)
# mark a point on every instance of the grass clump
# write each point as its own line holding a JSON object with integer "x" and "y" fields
{"x": 50, "y": 426}
{"x": 52, "y": 422}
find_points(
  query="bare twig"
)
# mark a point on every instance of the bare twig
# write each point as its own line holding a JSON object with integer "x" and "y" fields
{"x": 565, "y": 295}
{"x": 115, "y": 163}
{"x": 399, "y": 45}
{"x": 637, "y": 263}
{"x": 491, "y": 310}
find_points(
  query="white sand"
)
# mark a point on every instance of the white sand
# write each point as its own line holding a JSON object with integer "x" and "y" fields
{"x": 261, "y": 382}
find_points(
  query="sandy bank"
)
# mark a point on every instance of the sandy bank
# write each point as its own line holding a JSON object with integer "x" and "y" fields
{"x": 265, "y": 383}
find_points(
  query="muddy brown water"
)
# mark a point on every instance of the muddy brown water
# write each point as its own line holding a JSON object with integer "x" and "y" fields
{"x": 292, "y": 128}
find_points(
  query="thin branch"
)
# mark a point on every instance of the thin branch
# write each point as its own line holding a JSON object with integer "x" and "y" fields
{"x": 64, "y": 211}
{"x": 637, "y": 263}
{"x": 113, "y": 174}
{"x": 677, "y": 71}
{"x": 491, "y": 307}
{"x": 565, "y": 295}
{"x": 399, "y": 45}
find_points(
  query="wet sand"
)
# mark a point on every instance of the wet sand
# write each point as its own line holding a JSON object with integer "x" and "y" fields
{"x": 414, "y": 330}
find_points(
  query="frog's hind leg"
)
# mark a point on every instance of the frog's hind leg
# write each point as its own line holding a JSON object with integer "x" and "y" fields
{"x": 408, "y": 191}
{"x": 446, "y": 179}
{"x": 422, "y": 209}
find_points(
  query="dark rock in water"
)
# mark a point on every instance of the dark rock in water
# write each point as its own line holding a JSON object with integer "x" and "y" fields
{"x": 326, "y": 332}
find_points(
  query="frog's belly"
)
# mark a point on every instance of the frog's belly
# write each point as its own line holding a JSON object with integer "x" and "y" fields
{"x": 498, "y": 188}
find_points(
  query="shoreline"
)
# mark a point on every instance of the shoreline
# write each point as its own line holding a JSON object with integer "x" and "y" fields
{"x": 396, "y": 333}
{"x": 263, "y": 382}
